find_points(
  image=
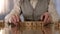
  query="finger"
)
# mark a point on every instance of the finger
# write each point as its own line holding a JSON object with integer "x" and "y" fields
{"x": 13, "y": 20}
{"x": 42, "y": 17}
{"x": 45, "y": 19}
{"x": 49, "y": 19}
{"x": 17, "y": 18}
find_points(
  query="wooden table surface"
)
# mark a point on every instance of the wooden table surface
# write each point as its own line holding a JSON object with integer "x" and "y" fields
{"x": 2, "y": 24}
{"x": 35, "y": 27}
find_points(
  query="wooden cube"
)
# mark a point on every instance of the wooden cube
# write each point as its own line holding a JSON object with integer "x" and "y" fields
{"x": 56, "y": 26}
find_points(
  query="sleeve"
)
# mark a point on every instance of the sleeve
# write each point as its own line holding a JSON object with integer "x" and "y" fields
{"x": 52, "y": 11}
{"x": 15, "y": 11}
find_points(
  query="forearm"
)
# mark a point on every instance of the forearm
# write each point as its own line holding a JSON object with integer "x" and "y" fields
{"x": 52, "y": 11}
{"x": 16, "y": 9}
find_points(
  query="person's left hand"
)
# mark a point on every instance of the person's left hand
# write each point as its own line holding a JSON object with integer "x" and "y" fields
{"x": 46, "y": 18}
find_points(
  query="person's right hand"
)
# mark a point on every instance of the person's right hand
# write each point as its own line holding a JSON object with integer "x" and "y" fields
{"x": 15, "y": 19}
{"x": 12, "y": 18}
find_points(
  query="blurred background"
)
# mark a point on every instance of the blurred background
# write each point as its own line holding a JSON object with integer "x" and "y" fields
{"x": 5, "y": 7}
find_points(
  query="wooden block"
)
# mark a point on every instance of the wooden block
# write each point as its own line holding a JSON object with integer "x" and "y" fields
{"x": 1, "y": 24}
{"x": 56, "y": 26}
{"x": 34, "y": 26}
{"x": 28, "y": 24}
{"x": 59, "y": 26}
{"x": 28, "y": 28}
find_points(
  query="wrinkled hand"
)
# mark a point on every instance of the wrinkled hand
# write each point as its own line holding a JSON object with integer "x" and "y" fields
{"x": 46, "y": 18}
{"x": 15, "y": 19}
{"x": 12, "y": 18}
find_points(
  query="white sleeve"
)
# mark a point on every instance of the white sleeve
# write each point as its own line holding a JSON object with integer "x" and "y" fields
{"x": 52, "y": 11}
{"x": 15, "y": 11}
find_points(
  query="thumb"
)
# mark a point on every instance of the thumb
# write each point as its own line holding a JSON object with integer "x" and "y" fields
{"x": 41, "y": 17}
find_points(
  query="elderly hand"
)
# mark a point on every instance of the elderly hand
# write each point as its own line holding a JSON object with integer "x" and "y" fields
{"x": 12, "y": 18}
{"x": 15, "y": 19}
{"x": 46, "y": 18}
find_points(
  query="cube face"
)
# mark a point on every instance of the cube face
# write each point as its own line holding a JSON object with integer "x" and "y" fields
{"x": 59, "y": 26}
{"x": 56, "y": 25}
{"x": 2, "y": 25}
{"x": 28, "y": 24}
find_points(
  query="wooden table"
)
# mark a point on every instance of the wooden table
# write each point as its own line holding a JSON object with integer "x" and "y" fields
{"x": 1, "y": 24}
{"x": 37, "y": 27}
{"x": 34, "y": 27}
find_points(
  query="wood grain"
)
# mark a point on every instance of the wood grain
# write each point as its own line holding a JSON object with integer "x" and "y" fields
{"x": 34, "y": 27}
